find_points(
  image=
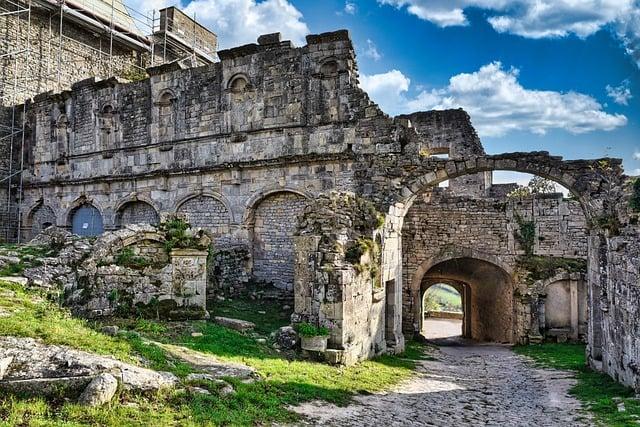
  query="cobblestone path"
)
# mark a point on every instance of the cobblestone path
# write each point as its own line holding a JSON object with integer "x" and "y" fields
{"x": 468, "y": 385}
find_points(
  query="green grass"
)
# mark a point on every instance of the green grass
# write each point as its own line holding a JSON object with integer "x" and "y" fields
{"x": 283, "y": 382}
{"x": 30, "y": 315}
{"x": 273, "y": 318}
{"x": 441, "y": 297}
{"x": 598, "y": 392}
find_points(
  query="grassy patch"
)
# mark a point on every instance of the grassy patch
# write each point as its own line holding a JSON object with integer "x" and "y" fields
{"x": 283, "y": 381}
{"x": 30, "y": 315}
{"x": 599, "y": 392}
{"x": 267, "y": 315}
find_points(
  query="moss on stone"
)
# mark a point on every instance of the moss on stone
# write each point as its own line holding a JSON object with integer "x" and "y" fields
{"x": 545, "y": 267}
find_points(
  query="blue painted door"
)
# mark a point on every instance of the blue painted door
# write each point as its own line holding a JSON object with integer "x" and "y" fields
{"x": 87, "y": 221}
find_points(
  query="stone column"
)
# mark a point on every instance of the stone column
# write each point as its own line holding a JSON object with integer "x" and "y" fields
{"x": 573, "y": 292}
{"x": 189, "y": 277}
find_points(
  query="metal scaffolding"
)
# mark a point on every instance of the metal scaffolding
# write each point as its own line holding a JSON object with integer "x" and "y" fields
{"x": 35, "y": 71}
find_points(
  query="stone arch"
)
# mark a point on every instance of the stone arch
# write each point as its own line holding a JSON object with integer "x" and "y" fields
{"x": 562, "y": 306}
{"x": 239, "y": 83}
{"x": 490, "y": 300}
{"x": 208, "y": 211}
{"x": 39, "y": 218}
{"x": 136, "y": 211}
{"x": 465, "y": 293}
{"x": 579, "y": 177}
{"x": 85, "y": 219}
{"x": 272, "y": 221}
{"x": 329, "y": 67}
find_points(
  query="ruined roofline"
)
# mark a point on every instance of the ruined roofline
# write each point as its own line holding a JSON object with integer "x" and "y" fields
{"x": 265, "y": 43}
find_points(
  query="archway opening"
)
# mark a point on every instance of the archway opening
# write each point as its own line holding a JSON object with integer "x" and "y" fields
{"x": 86, "y": 220}
{"x": 497, "y": 237}
{"x": 136, "y": 212}
{"x": 486, "y": 297}
{"x": 442, "y": 311}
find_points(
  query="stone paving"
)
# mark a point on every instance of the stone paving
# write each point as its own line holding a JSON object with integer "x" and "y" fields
{"x": 468, "y": 385}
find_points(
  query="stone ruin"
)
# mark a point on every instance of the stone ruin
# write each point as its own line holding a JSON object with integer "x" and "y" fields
{"x": 306, "y": 185}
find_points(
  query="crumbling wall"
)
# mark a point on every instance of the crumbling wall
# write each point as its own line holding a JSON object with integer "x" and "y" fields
{"x": 338, "y": 282}
{"x": 440, "y": 222}
{"x": 126, "y": 272}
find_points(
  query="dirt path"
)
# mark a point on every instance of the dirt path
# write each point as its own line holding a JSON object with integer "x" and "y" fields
{"x": 468, "y": 385}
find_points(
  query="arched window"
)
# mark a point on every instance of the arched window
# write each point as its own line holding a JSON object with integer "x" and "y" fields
{"x": 238, "y": 84}
{"x": 329, "y": 68}
{"x": 86, "y": 220}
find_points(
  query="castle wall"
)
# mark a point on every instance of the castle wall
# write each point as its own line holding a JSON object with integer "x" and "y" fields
{"x": 83, "y": 53}
{"x": 440, "y": 223}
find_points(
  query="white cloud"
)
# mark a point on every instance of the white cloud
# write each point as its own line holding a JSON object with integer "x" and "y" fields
{"x": 635, "y": 172}
{"x": 538, "y": 18}
{"x": 636, "y": 155}
{"x": 620, "y": 94}
{"x": 496, "y": 101}
{"x": 240, "y": 22}
{"x": 350, "y": 8}
{"x": 387, "y": 89}
{"x": 372, "y": 51}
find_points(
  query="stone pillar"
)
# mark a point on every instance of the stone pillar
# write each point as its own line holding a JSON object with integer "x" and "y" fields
{"x": 189, "y": 277}
{"x": 575, "y": 325}
{"x": 306, "y": 261}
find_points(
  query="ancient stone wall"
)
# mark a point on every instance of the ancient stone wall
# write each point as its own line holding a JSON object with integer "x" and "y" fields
{"x": 84, "y": 54}
{"x": 439, "y": 223}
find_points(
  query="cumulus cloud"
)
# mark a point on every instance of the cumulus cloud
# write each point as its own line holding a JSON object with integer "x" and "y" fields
{"x": 350, "y": 8}
{"x": 538, "y": 18}
{"x": 635, "y": 172}
{"x": 372, "y": 51}
{"x": 620, "y": 94}
{"x": 496, "y": 101}
{"x": 387, "y": 89}
{"x": 238, "y": 22}
{"x": 636, "y": 155}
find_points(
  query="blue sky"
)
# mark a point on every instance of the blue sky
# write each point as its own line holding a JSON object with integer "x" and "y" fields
{"x": 555, "y": 75}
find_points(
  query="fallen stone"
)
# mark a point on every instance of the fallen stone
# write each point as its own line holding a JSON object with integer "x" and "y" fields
{"x": 236, "y": 324}
{"x": 110, "y": 330}
{"x": 15, "y": 279}
{"x": 209, "y": 364}
{"x": 286, "y": 337}
{"x": 196, "y": 334}
{"x": 261, "y": 341}
{"x": 99, "y": 391}
{"x": 198, "y": 390}
{"x": 37, "y": 360}
{"x": 70, "y": 387}
{"x": 4, "y": 365}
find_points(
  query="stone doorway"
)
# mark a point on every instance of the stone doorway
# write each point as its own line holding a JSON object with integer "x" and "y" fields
{"x": 486, "y": 298}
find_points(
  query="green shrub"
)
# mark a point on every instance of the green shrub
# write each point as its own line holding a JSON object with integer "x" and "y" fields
{"x": 308, "y": 330}
{"x": 127, "y": 258}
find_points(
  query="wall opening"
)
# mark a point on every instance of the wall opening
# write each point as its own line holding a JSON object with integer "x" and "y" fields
{"x": 136, "y": 212}
{"x": 86, "y": 220}
{"x": 442, "y": 311}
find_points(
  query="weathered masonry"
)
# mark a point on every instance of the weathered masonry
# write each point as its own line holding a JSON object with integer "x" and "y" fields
{"x": 305, "y": 184}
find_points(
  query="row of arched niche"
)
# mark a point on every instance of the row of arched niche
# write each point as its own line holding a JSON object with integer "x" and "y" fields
{"x": 270, "y": 220}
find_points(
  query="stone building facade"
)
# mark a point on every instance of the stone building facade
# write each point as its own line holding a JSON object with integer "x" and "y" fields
{"x": 285, "y": 160}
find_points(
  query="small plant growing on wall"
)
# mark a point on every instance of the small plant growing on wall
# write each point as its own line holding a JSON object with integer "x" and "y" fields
{"x": 305, "y": 329}
{"x": 526, "y": 234}
{"x": 127, "y": 258}
{"x": 178, "y": 234}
